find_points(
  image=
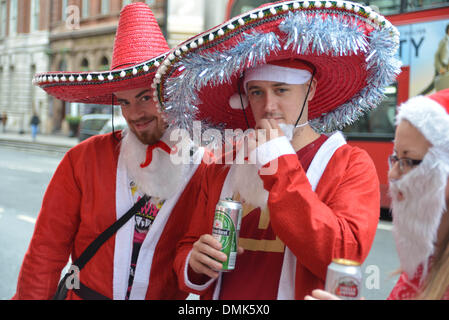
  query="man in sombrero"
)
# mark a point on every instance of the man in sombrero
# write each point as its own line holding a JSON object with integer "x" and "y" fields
{"x": 297, "y": 69}
{"x": 100, "y": 179}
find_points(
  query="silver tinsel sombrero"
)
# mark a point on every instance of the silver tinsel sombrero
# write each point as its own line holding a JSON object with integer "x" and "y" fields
{"x": 351, "y": 47}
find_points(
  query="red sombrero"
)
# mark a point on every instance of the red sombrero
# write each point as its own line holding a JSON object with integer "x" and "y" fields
{"x": 351, "y": 48}
{"x": 139, "y": 47}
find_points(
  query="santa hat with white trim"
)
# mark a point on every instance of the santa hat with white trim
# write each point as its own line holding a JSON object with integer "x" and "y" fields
{"x": 430, "y": 115}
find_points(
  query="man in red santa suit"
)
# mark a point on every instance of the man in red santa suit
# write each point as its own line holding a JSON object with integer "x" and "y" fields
{"x": 307, "y": 197}
{"x": 101, "y": 178}
{"x": 419, "y": 188}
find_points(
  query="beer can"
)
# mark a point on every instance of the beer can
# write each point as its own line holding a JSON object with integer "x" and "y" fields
{"x": 226, "y": 227}
{"x": 344, "y": 279}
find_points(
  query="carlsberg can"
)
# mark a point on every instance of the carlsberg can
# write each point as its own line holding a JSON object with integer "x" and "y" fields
{"x": 227, "y": 220}
{"x": 344, "y": 279}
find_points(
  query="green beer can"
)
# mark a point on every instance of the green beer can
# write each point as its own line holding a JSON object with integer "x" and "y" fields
{"x": 227, "y": 220}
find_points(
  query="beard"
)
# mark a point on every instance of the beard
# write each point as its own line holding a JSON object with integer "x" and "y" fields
{"x": 416, "y": 217}
{"x": 163, "y": 177}
{"x": 245, "y": 181}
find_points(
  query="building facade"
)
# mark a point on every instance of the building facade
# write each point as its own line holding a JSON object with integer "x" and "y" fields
{"x": 61, "y": 35}
{"x": 24, "y": 40}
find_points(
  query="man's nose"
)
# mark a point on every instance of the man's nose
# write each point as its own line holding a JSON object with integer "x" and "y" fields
{"x": 270, "y": 103}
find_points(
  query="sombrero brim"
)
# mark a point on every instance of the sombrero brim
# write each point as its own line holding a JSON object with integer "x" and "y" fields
{"x": 97, "y": 87}
{"x": 352, "y": 48}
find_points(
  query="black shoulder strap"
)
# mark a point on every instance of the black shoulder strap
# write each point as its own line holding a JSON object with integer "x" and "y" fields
{"x": 102, "y": 238}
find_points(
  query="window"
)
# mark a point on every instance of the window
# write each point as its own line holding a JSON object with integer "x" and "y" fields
{"x": 378, "y": 123}
{"x": 104, "y": 64}
{"x": 13, "y": 17}
{"x": 86, "y": 8}
{"x": 150, "y": 2}
{"x": 84, "y": 65}
{"x": 3, "y": 15}
{"x": 104, "y": 6}
{"x": 64, "y": 9}
{"x": 35, "y": 11}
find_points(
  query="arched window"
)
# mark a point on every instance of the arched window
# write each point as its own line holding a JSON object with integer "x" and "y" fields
{"x": 84, "y": 65}
{"x": 104, "y": 63}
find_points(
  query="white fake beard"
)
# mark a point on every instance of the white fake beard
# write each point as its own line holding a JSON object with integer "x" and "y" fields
{"x": 289, "y": 129}
{"x": 246, "y": 181}
{"x": 416, "y": 218}
{"x": 162, "y": 178}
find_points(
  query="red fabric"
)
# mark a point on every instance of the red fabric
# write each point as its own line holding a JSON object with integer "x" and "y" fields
{"x": 149, "y": 156}
{"x": 407, "y": 289}
{"x": 242, "y": 282}
{"x": 441, "y": 97}
{"x": 339, "y": 220}
{"x": 78, "y": 205}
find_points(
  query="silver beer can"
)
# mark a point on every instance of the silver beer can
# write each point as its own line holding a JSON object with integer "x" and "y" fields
{"x": 344, "y": 279}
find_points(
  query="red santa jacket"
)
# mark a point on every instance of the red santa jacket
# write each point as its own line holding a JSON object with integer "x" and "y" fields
{"x": 79, "y": 204}
{"x": 336, "y": 220}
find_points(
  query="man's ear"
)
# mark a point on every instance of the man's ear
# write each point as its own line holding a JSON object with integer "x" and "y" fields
{"x": 312, "y": 89}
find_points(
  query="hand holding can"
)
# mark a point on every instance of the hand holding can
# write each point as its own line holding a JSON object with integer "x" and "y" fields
{"x": 226, "y": 227}
{"x": 344, "y": 279}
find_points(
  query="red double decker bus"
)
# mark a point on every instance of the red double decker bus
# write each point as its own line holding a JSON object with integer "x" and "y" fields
{"x": 423, "y": 25}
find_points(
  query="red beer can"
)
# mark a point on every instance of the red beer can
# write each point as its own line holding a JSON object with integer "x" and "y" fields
{"x": 344, "y": 279}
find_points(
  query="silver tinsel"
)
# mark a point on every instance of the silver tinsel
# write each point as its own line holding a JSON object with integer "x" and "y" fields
{"x": 304, "y": 34}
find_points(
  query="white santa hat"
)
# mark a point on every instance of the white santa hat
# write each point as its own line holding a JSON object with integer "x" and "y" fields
{"x": 430, "y": 115}
{"x": 285, "y": 71}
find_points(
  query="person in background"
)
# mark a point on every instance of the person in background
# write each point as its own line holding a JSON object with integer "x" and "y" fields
{"x": 419, "y": 188}
{"x": 34, "y": 123}
{"x": 4, "y": 121}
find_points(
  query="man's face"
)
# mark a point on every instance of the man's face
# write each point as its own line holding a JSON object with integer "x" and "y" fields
{"x": 141, "y": 114}
{"x": 277, "y": 100}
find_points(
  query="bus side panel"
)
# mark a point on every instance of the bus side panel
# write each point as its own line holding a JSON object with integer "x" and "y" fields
{"x": 379, "y": 152}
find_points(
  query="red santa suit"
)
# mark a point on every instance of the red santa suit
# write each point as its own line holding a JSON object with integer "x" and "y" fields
{"x": 88, "y": 193}
{"x": 329, "y": 212}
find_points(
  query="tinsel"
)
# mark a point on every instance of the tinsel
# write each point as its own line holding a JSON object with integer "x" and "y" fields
{"x": 305, "y": 33}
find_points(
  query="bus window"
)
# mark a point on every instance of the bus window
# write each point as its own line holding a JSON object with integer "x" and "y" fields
{"x": 378, "y": 124}
{"x": 238, "y": 7}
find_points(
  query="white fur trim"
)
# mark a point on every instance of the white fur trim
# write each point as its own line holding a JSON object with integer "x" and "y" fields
{"x": 271, "y": 150}
{"x": 270, "y": 72}
{"x": 189, "y": 283}
{"x": 430, "y": 118}
{"x": 319, "y": 163}
{"x": 124, "y": 236}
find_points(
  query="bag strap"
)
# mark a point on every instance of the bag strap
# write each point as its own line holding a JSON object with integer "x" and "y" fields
{"x": 109, "y": 232}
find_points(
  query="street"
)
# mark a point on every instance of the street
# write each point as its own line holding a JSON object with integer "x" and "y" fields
{"x": 25, "y": 176}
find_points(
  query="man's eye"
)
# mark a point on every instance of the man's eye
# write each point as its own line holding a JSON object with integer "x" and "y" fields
{"x": 255, "y": 93}
{"x": 145, "y": 98}
{"x": 282, "y": 90}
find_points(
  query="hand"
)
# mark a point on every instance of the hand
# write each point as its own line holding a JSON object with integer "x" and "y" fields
{"x": 272, "y": 130}
{"x": 442, "y": 70}
{"x": 318, "y": 294}
{"x": 265, "y": 130}
{"x": 204, "y": 252}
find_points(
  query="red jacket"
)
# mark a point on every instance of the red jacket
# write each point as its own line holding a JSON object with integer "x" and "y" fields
{"x": 337, "y": 220}
{"x": 79, "y": 204}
